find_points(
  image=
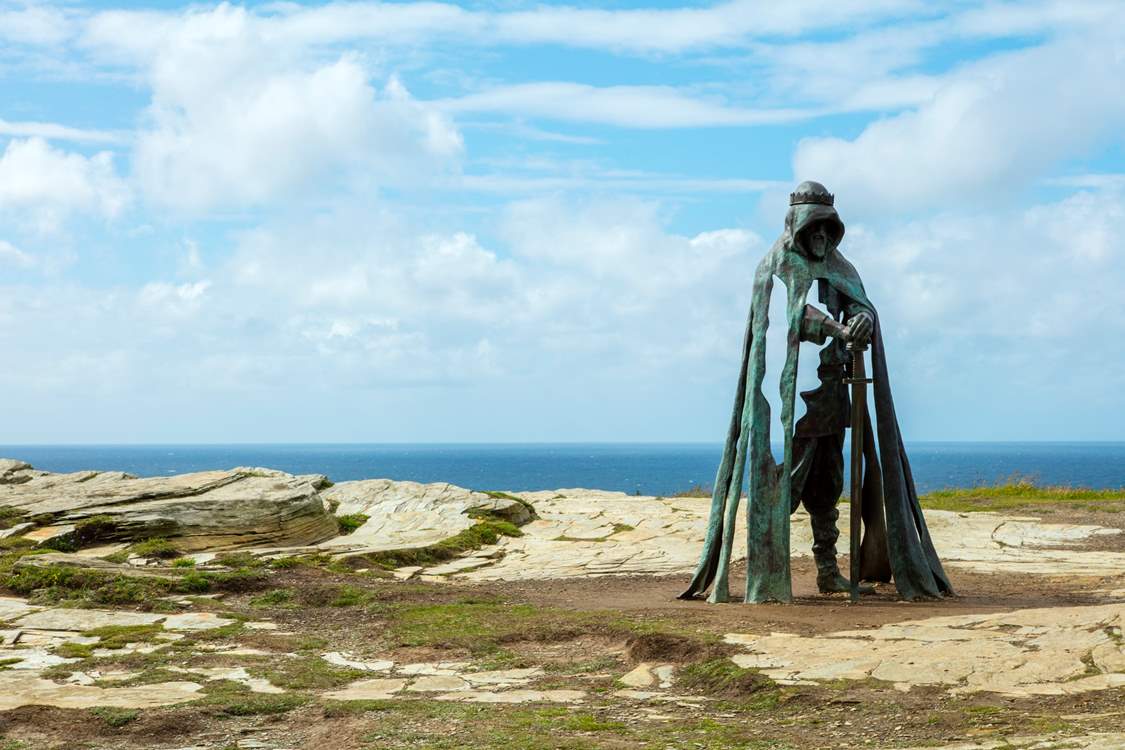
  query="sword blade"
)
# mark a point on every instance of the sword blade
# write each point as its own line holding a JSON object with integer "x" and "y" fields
{"x": 859, "y": 403}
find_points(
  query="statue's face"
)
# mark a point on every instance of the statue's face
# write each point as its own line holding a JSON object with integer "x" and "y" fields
{"x": 818, "y": 239}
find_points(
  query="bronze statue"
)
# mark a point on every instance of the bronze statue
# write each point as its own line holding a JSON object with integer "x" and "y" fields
{"x": 895, "y": 542}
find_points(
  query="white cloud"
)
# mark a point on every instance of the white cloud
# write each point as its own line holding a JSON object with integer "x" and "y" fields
{"x": 34, "y": 24}
{"x": 55, "y": 131}
{"x": 990, "y": 129}
{"x": 645, "y": 30}
{"x": 12, "y": 255}
{"x": 623, "y": 106}
{"x": 41, "y": 186}
{"x": 240, "y": 119}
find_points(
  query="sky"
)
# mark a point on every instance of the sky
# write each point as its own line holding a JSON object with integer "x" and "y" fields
{"x": 508, "y": 221}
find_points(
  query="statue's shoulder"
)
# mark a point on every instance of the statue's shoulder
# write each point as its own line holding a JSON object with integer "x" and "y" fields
{"x": 772, "y": 261}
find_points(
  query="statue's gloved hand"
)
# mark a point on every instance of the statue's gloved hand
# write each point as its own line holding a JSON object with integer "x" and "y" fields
{"x": 860, "y": 327}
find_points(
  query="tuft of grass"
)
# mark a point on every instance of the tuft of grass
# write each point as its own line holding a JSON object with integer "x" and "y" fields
{"x": 1021, "y": 492}
{"x": 350, "y": 522}
{"x": 116, "y": 717}
{"x": 350, "y": 596}
{"x": 696, "y": 490}
{"x": 239, "y": 560}
{"x": 183, "y": 562}
{"x": 94, "y": 529}
{"x": 722, "y": 677}
{"x": 9, "y": 516}
{"x": 118, "y": 636}
{"x": 273, "y": 598}
{"x": 74, "y": 650}
{"x": 590, "y": 723}
{"x": 158, "y": 547}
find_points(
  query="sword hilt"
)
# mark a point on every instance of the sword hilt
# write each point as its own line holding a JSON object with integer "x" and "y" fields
{"x": 857, "y": 351}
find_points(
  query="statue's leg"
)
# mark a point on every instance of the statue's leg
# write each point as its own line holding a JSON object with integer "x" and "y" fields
{"x": 821, "y": 494}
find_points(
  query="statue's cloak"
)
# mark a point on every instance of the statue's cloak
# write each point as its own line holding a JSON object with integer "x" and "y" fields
{"x": 896, "y": 542}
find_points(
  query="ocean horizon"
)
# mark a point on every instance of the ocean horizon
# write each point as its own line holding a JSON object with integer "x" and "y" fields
{"x": 635, "y": 468}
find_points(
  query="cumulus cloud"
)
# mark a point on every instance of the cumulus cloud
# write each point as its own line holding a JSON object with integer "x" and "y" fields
{"x": 240, "y": 119}
{"x": 990, "y": 129}
{"x": 42, "y": 186}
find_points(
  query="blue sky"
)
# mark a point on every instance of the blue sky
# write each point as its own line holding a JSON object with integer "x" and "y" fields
{"x": 510, "y": 221}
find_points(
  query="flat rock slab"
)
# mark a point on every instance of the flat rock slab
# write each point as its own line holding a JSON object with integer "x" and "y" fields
{"x": 376, "y": 689}
{"x": 18, "y": 689}
{"x": 78, "y": 620}
{"x": 347, "y": 660}
{"x": 1050, "y": 651}
{"x": 85, "y": 619}
{"x": 515, "y": 696}
{"x": 403, "y": 515}
{"x": 204, "y": 510}
{"x": 582, "y": 533}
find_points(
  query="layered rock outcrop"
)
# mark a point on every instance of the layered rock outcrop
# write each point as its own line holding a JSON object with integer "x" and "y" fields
{"x": 209, "y": 510}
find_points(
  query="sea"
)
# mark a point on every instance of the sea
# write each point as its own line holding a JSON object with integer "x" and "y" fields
{"x": 634, "y": 468}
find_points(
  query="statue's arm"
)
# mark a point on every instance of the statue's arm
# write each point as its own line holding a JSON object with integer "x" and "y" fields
{"x": 817, "y": 326}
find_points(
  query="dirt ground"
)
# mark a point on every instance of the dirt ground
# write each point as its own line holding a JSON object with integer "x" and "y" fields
{"x": 587, "y": 633}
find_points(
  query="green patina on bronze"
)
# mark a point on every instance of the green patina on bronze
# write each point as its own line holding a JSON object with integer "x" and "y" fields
{"x": 895, "y": 541}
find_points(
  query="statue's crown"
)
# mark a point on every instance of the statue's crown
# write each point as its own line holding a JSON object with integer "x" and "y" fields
{"x": 807, "y": 194}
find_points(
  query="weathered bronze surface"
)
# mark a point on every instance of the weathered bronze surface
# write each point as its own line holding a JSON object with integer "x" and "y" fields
{"x": 895, "y": 541}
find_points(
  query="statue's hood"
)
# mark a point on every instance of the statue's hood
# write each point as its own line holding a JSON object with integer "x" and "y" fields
{"x": 804, "y": 215}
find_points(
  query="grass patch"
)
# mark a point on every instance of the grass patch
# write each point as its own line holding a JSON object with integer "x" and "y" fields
{"x": 307, "y": 673}
{"x": 239, "y": 560}
{"x": 480, "y": 534}
{"x": 485, "y": 627}
{"x": 1021, "y": 492}
{"x": 274, "y": 598}
{"x": 5, "y": 663}
{"x": 696, "y": 490}
{"x": 159, "y": 547}
{"x": 118, "y": 636}
{"x": 230, "y": 698}
{"x": 90, "y": 531}
{"x": 10, "y": 516}
{"x": 437, "y": 725}
{"x": 116, "y": 717}
{"x": 723, "y": 678}
{"x": 183, "y": 562}
{"x": 350, "y": 596}
{"x": 350, "y": 522}
{"x": 77, "y": 585}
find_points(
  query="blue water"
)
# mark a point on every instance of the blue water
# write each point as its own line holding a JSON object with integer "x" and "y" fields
{"x": 647, "y": 469}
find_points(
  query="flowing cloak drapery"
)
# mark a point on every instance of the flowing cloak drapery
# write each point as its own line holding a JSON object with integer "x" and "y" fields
{"x": 895, "y": 542}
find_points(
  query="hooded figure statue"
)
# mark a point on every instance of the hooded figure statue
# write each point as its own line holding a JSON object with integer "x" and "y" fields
{"x": 896, "y": 542}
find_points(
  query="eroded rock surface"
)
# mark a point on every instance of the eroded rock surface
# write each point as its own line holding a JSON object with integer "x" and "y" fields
{"x": 592, "y": 533}
{"x": 408, "y": 514}
{"x": 1048, "y": 651}
{"x": 204, "y": 511}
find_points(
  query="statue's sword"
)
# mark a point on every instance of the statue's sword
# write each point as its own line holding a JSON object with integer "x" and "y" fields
{"x": 858, "y": 382}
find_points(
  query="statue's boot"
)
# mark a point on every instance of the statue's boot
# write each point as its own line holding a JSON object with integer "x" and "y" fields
{"x": 828, "y": 577}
